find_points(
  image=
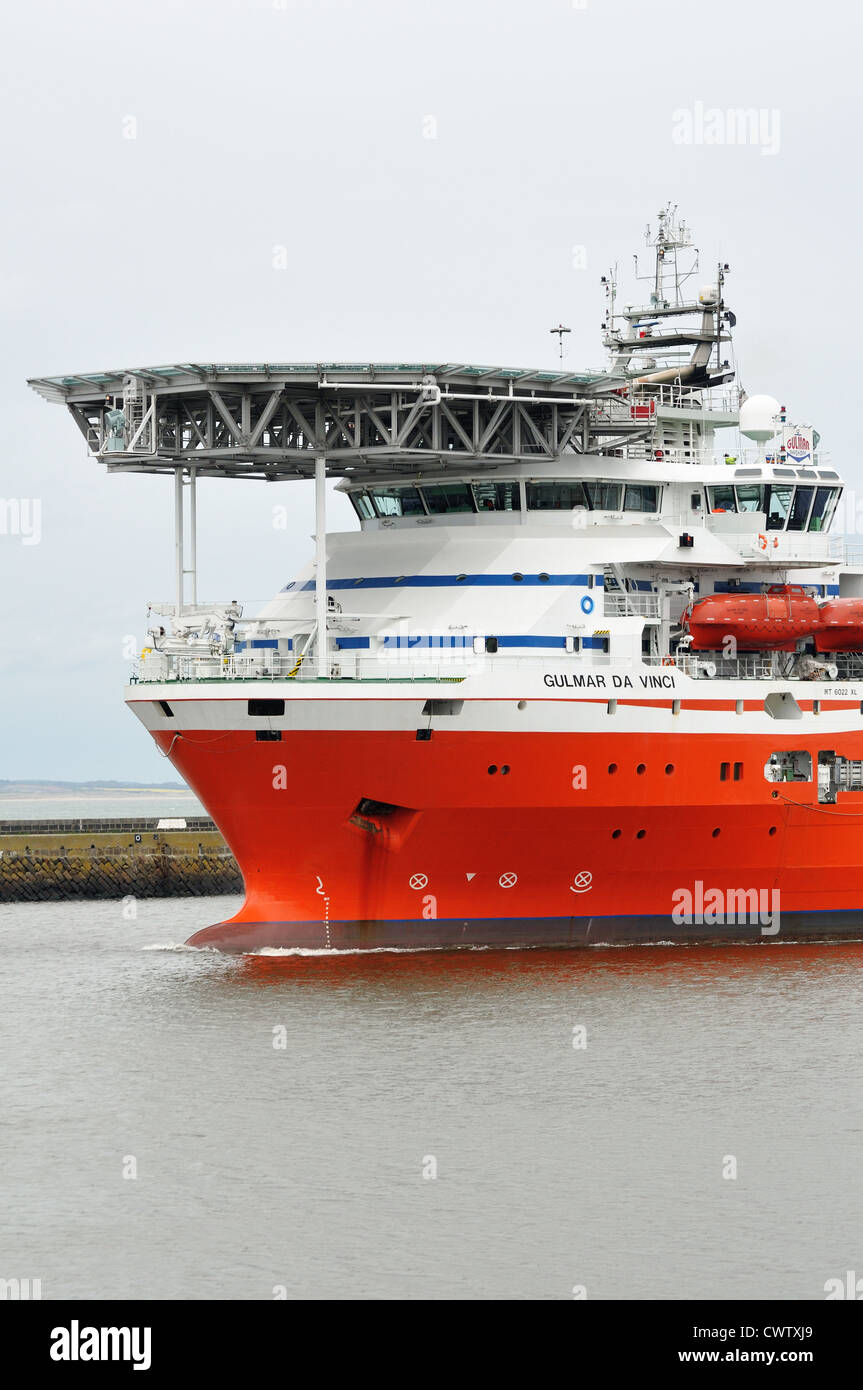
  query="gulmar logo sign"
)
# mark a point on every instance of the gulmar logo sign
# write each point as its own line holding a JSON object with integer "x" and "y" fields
{"x": 798, "y": 445}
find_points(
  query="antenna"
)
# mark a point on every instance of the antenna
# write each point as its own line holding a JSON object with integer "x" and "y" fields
{"x": 560, "y": 330}
{"x": 609, "y": 284}
{"x": 669, "y": 275}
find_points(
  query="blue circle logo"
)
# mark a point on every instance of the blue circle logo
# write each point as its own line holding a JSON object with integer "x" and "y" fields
{"x": 587, "y": 604}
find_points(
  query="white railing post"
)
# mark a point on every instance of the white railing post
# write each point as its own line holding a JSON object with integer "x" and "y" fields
{"x": 321, "y": 564}
{"x": 193, "y": 535}
{"x": 178, "y": 536}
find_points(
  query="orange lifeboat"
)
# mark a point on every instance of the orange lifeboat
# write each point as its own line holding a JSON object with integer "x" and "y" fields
{"x": 775, "y": 621}
{"x": 840, "y": 626}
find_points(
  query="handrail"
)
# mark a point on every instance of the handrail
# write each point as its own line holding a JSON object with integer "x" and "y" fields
{"x": 631, "y": 605}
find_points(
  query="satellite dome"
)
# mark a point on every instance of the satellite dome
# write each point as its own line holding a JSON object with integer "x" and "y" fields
{"x": 758, "y": 418}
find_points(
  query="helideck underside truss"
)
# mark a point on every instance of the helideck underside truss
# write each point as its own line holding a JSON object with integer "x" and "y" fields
{"x": 273, "y": 422}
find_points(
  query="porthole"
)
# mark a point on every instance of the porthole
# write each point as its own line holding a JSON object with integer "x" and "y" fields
{"x": 517, "y": 578}
{"x": 522, "y": 704}
{"x": 615, "y": 834}
{"x": 669, "y": 768}
{"x": 772, "y": 830}
{"x": 460, "y": 578}
{"x": 492, "y": 770}
{"x": 716, "y": 832}
{"x": 543, "y": 578}
{"x": 640, "y": 834}
{"x": 641, "y": 769}
{"x": 612, "y": 767}
{"x": 504, "y": 769}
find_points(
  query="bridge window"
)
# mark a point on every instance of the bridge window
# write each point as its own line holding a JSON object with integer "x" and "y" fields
{"x": 397, "y": 501}
{"x": 787, "y": 508}
{"x": 363, "y": 505}
{"x": 641, "y": 497}
{"x": 778, "y": 505}
{"x": 750, "y": 498}
{"x": 799, "y": 513}
{"x": 822, "y": 508}
{"x": 441, "y": 498}
{"x": 557, "y": 497}
{"x": 722, "y": 498}
{"x": 603, "y": 497}
{"x": 496, "y": 497}
{"x": 564, "y": 496}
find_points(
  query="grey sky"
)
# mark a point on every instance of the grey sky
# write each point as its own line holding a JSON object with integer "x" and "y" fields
{"x": 305, "y": 125}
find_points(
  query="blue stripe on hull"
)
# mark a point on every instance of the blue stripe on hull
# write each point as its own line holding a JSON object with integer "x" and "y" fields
{"x": 449, "y": 581}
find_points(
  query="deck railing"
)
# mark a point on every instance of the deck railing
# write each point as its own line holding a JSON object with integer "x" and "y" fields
{"x": 437, "y": 665}
{"x": 631, "y": 605}
{"x": 451, "y": 669}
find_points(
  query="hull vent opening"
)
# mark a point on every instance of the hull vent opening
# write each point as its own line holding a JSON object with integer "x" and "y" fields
{"x": 264, "y": 709}
{"x": 367, "y": 807}
{"x": 443, "y": 707}
{"x": 789, "y": 765}
{"x": 268, "y": 735}
{"x": 388, "y": 823}
{"x": 782, "y": 705}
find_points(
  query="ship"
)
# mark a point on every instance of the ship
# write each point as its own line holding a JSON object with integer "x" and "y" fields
{"x": 588, "y": 671}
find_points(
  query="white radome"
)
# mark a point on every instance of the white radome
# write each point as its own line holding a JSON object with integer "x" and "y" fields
{"x": 759, "y": 418}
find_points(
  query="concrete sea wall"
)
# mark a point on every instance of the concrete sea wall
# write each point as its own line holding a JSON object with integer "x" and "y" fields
{"x": 53, "y": 861}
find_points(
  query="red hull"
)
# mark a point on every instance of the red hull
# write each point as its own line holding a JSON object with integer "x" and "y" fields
{"x": 473, "y": 857}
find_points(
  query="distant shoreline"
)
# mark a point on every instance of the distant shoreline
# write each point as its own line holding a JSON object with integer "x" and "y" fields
{"x": 35, "y": 790}
{"x": 108, "y": 794}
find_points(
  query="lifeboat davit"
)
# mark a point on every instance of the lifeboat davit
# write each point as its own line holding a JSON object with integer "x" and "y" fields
{"x": 840, "y": 626}
{"x": 775, "y": 621}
